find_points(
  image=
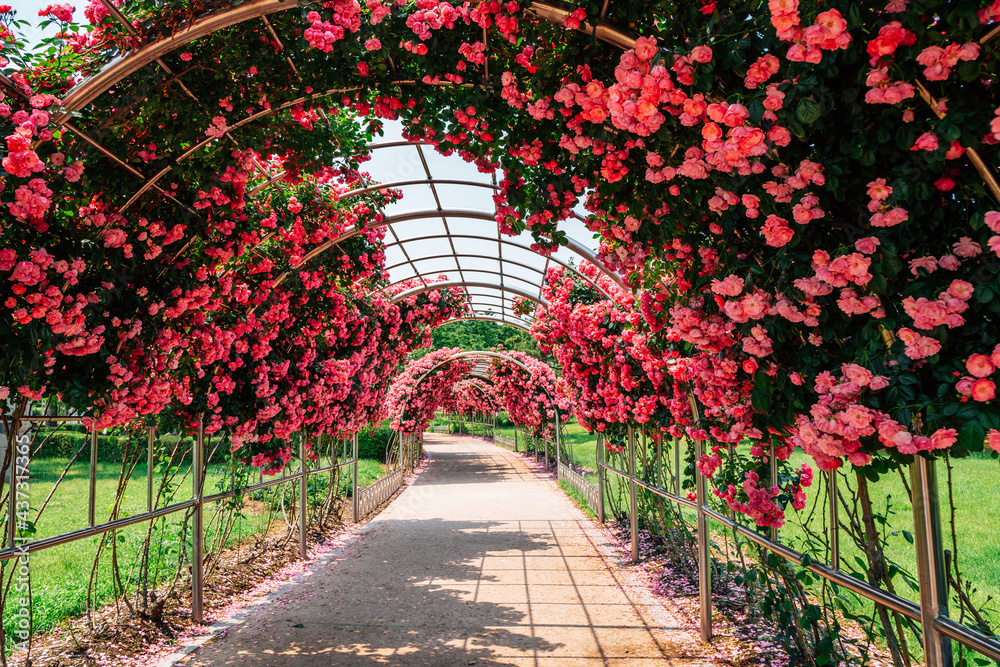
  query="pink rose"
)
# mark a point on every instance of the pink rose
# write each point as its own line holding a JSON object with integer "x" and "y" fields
{"x": 992, "y": 220}
{"x": 645, "y": 48}
{"x": 980, "y": 366}
{"x": 943, "y": 438}
{"x": 867, "y": 245}
{"x": 983, "y": 390}
{"x": 701, "y": 54}
{"x": 949, "y": 263}
{"x": 925, "y": 142}
{"x": 993, "y": 439}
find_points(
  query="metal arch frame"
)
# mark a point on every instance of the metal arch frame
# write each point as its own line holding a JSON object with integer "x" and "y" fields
{"x": 934, "y": 624}
{"x": 484, "y": 311}
{"x": 460, "y": 283}
{"x": 484, "y": 301}
{"x": 489, "y": 272}
{"x": 503, "y": 242}
{"x": 483, "y": 318}
{"x": 90, "y": 89}
{"x": 475, "y": 353}
{"x": 571, "y": 244}
{"x": 87, "y": 91}
{"x": 461, "y": 355}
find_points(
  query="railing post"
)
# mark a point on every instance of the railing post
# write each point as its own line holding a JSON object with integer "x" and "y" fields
{"x": 92, "y": 499}
{"x": 13, "y": 438}
{"x": 354, "y": 483}
{"x": 773, "y": 483}
{"x": 660, "y": 480}
{"x": 149, "y": 468}
{"x": 198, "y": 527}
{"x": 677, "y": 466}
{"x": 834, "y": 522}
{"x": 600, "y": 477}
{"x": 633, "y": 510}
{"x": 930, "y": 563}
{"x": 558, "y": 445}
{"x": 704, "y": 557}
{"x": 303, "y": 497}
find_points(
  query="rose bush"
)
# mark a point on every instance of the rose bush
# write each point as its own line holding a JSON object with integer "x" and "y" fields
{"x": 817, "y": 193}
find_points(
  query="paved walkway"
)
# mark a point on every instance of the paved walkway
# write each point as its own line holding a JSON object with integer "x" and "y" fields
{"x": 479, "y": 562}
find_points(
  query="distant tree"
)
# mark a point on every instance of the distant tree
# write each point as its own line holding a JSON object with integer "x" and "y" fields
{"x": 480, "y": 335}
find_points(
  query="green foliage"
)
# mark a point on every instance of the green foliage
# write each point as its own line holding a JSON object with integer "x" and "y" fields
{"x": 374, "y": 444}
{"x": 60, "y": 442}
{"x": 480, "y": 335}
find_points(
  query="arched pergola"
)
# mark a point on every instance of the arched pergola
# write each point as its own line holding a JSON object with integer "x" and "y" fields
{"x": 481, "y": 360}
{"x": 446, "y": 221}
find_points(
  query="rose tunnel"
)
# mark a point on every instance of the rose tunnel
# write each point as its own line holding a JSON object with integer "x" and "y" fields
{"x": 765, "y": 235}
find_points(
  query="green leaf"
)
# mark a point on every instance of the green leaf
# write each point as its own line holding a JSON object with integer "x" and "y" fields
{"x": 808, "y": 111}
{"x": 972, "y": 436}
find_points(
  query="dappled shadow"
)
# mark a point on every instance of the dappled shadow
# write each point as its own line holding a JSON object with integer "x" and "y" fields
{"x": 476, "y": 563}
{"x": 406, "y": 593}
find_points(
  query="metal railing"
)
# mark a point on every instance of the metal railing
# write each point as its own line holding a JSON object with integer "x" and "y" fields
{"x": 571, "y": 476}
{"x": 17, "y": 547}
{"x": 504, "y": 441}
{"x": 931, "y": 613}
{"x": 486, "y": 424}
{"x": 376, "y": 493}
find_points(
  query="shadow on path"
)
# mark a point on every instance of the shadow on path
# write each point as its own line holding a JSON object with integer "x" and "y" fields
{"x": 477, "y": 563}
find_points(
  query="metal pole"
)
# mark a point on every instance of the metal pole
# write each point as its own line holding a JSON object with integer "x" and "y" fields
{"x": 12, "y": 441}
{"x": 633, "y": 513}
{"x": 930, "y": 562}
{"x": 198, "y": 527}
{"x": 303, "y": 497}
{"x": 354, "y": 487}
{"x": 558, "y": 445}
{"x": 149, "y": 469}
{"x": 704, "y": 562}
{"x": 834, "y": 522}
{"x": 92, "y": 504}
{"x": 677, "y": 466}
{"x": 600, "y": 477}
{"x": 774, "y": 483}
{"x": 660, "y": 481}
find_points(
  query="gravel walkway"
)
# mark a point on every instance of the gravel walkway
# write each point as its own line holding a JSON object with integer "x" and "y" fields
{"x": 479, "y": 562}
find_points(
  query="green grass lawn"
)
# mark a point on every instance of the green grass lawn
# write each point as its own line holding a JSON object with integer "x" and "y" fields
{"x": 59, "y": 575}
{"x": 977, "y": 515}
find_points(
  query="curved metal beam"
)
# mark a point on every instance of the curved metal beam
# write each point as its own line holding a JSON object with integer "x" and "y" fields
{"x": 503, "y": 241}
{"x": 479, "y": 353}
{"x": 533, "y": 269}
{"x": 459, "y": 283}
{"x": 90, "y": 89}
{"x": 573, "y": 245}
{"x": 503, "y": 316}
{"x": 430, "y": 274}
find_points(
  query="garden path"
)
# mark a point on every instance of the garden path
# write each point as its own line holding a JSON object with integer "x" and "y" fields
{"x": 479, "y": 562}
